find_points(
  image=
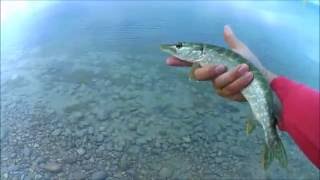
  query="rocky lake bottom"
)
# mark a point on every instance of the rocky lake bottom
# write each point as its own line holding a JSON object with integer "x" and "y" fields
{"x": 112, "y": 116}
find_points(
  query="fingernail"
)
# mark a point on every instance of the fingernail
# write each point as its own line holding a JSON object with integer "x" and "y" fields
{"x": 248, "y": 75}
{"x": 243, "y": 69}
{"x": 228, "y": 29}
{"x": 219, "y": 69}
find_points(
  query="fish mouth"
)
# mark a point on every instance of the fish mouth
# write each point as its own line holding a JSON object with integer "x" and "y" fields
{"x": 168, "y": 48}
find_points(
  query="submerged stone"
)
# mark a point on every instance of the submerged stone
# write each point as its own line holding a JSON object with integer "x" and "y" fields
{"x": 56, "y": 132}
{"x": 81, "y": 151}
{"x": 165, "y": 173}
{"x": 99, "y": 175}
{"x": 52, "y": 167}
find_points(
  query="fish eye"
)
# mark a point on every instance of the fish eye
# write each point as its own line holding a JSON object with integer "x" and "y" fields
{"x": 179, "y": 45}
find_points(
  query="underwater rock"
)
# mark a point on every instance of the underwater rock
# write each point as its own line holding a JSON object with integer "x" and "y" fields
{"x": 132, "y": 126}
{"x": 36, "y": 145}
{"x": 52, "y": 167}
{"x": 219, "y": 159}
{"x": 100, "y": 149}
{"x": 84, "y": 124}
{"x": 229, "y": 108}
{"x": 115, "y": 114}
{"x": 81, "y": 151}
{"x": 162, "y": 132}
{"x": 99, "y": 175}
{"x": 186, "y": 139}
{"x": 26, "y": 152}
{"x": 90, "y": 130}
{"x": 141, "y": 131}
{"x": 56, "y": 132}
{"x": 70, "y": 158}
{"x": 100, "y": 138}
{"x": 133, "y": 149}
{"x": 77, "y": 115}
{"x": 141, "y": 141}
{"x": 5, "y": 175}
{"x": 67, "y": 132}
{"x": 77, "y": 175}
{"x": 79, "y": 133}
{"x": 124, "y": 164}
{"x": 165, "y": 173}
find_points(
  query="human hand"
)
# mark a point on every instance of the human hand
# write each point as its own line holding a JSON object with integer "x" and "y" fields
{"x": 228, "y": 83}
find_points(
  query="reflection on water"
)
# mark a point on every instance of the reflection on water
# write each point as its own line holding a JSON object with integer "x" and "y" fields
{"x": 85, "y": 94}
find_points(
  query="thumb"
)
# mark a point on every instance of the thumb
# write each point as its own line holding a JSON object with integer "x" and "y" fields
{"x": 231, "y": 39}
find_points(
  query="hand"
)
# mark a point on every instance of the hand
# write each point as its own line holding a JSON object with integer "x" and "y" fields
{"x": 228, "y": 83}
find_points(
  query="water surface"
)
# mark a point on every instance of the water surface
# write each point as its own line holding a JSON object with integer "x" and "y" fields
{"x": 85, "y": 91}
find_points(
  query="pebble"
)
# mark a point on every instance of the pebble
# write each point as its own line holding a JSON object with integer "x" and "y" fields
{"x": 140, "y": 131}
{"x": 52, "y": 167}
{"x": 38, "y": 176}
{"x": 165, "y": 173}
{"x": 102, "y": 128}
{"x": 132, "y": 127}
{"x": 219, "y": 160}
{"x": 36, "y": 145}
{"x": 5, "y": 175}
{"x": 67, "y": 132}
{"x": 100, "y": 138}
{"x": 26, "y": 152}
{"x": 124, "y": 165}
{"x": 115, "y": 114}
{"x": 77, "y": 175}
{"x": 99, "y": 175}
{"x": 90, "y": 130}
{"x": 163, "y": 132}
{"x": 186, "y": 139}
{"x": 141, "y": 141}
{"x": 81, "y": 151}
{"x": 70, "y": 158}
{"x": 56, "y": 132}
{"x": 77, "y": 115}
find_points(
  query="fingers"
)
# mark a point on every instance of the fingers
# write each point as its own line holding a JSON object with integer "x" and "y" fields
{"x": 231, "y": 39}
{"x": 230, "y": 76}
{"x": 237, "y": 97}
{"x": 209, "y": 72}
{"x": 236, "y": 86}
{"x": 173, "y": 61}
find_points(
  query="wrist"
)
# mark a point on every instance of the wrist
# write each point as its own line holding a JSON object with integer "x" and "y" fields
{"x": 269, "y": 75}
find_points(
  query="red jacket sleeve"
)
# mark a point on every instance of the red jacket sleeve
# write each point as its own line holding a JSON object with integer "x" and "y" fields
{"x": 300, "y": 115}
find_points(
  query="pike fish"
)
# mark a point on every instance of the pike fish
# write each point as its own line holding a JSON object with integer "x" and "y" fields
{"x": 258, "y": 93}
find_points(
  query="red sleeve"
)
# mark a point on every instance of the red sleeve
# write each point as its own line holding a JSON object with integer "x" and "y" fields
{"x": 300, "y": 115}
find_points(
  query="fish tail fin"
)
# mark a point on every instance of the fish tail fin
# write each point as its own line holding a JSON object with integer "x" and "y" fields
{"x": 276, "y": 151}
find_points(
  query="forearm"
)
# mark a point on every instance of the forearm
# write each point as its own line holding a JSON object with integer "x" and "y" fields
{"x": 300, "y": 115}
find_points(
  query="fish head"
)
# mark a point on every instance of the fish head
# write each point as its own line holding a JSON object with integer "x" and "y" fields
{"x": 190, "y": 52}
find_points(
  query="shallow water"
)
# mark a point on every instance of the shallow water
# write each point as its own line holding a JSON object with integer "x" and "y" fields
{"x": 85, "y": 92}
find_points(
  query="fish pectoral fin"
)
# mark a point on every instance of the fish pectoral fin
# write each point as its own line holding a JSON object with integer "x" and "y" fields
{"x": 193, "y": 69}
{"x": 251, "y": 124}
{"x": 276, "y": 151}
